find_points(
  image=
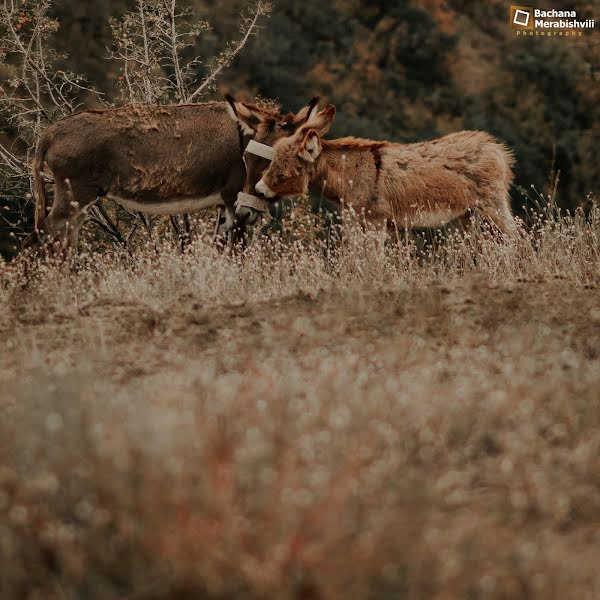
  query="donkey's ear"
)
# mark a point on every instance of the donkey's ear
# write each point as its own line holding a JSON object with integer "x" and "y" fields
{"x": 248, "y": 116}
{"x": 321, "y": 122}
{"x": 304, "y": 114}
{"x": 310, "y": 148}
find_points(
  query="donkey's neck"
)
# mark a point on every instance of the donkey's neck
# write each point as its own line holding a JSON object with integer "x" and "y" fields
{"x": 346, "y": 167}
{"x": 331, "y": 176}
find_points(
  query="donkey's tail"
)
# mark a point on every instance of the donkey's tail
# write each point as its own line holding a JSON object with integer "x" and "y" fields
{"x": 38, "y": 182}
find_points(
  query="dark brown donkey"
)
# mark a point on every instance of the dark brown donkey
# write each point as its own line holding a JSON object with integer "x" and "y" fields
{"x": 155, "y": 159}
{"x": 413, "y": 185}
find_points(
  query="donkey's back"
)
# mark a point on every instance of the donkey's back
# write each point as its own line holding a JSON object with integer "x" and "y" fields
{"x": 438, "y": 180}
{"x": 157, "y": 159}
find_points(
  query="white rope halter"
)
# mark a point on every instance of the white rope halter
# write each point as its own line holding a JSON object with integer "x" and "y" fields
{"x": 259, "y": 149}
{"x": 249, "y": 200}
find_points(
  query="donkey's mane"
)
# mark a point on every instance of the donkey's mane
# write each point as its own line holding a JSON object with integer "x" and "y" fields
{"x": 351, "y": 143}
{"x": 144, "y": 107}
{"x": 265, "y": 111}
{"x": 133, "y": 108}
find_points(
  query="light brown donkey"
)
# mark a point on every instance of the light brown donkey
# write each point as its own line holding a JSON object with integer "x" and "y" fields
{"x": 414, "y": 185}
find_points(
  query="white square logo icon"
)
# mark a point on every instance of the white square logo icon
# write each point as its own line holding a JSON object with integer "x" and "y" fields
{"x": 521, "y": 17}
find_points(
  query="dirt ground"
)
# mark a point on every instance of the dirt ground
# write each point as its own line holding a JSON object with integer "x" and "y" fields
{"x": 548, "y": 324}
{"x": 482, "y": 397}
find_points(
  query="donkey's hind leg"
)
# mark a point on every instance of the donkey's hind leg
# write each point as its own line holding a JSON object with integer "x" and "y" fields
{"x": 500, "y": 218}
{"x": 68, "y": 213}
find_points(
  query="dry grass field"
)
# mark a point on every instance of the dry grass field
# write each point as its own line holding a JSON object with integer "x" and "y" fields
{"x": 369, "y": 421}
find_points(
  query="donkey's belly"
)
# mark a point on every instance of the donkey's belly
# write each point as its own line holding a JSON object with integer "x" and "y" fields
{"x": 431, "y": 218}
{"x": 172, "y": 206}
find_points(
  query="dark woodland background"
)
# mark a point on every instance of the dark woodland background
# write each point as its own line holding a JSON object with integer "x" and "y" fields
{"x": 402, "y": 70}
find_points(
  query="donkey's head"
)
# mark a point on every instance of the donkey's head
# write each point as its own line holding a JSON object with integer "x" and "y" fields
{"x": 265, "y": 127}
{"x": 289, "y": 173}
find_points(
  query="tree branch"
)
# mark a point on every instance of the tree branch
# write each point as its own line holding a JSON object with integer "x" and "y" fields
{"x": 261, "y": 8}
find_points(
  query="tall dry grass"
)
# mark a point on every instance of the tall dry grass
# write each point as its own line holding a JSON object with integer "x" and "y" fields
{"x": 303, "y": 256}
{"x": 375, "y": 416}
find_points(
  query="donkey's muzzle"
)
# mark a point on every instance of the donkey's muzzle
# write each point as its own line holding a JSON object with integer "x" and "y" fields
{"x": 249, "y": 208}
{"x": 246, "y": 216}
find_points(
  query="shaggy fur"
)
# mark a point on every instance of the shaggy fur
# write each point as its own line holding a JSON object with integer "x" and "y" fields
{"x": 414, "y": 185}
{"x": 162, "y": 159}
